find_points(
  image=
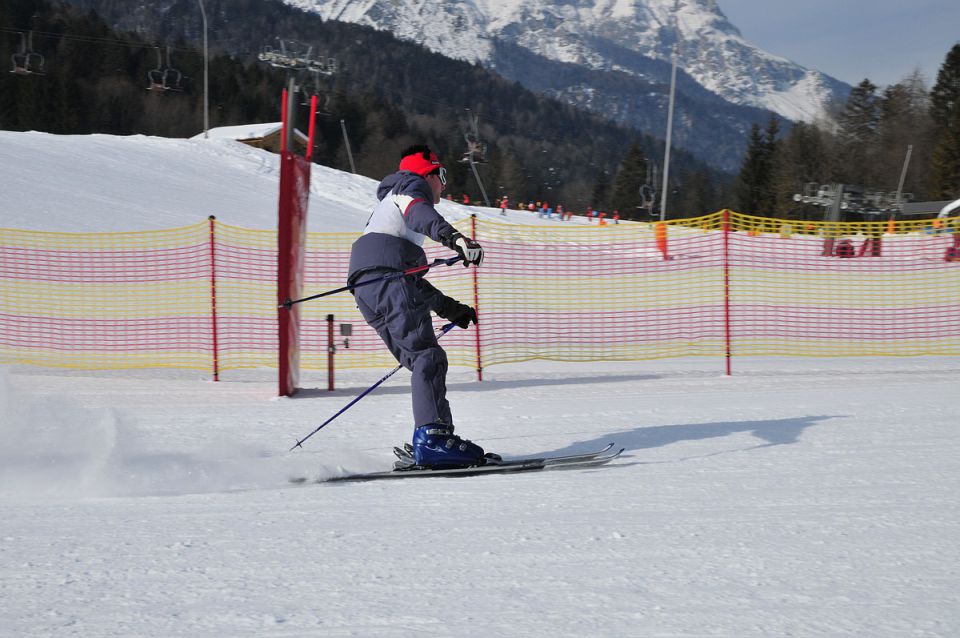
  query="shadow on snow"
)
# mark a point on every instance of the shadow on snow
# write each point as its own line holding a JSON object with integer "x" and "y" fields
{"x": 771, "y": 432}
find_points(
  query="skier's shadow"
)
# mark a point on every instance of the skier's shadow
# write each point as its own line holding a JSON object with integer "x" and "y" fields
{"x": 770, "y": 432}
{"x": 473, "y": 386}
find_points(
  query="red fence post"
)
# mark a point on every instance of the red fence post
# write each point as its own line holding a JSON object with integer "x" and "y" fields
{"x": 476, "y": 301}
{"x": 726, "y": 286}
{"x": 213, "y": 297}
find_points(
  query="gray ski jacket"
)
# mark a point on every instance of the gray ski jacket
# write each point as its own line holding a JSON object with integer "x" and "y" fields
{"x": 395, "y": 231}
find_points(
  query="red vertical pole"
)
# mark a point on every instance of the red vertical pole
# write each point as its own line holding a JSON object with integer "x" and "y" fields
{"x": 331, "y": 349}
{"x": 313, "y": 127}
{"x": 213, "y": 297}
{"x": 476, "y": 301}
{"x": 283, "y": 120}
{"x": 291, "y": 244}
{"x": 726, "y": 286}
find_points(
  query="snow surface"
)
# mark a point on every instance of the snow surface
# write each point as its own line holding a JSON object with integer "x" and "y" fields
{"x": 797, "y": 497}
{"x": 101, "y": 183}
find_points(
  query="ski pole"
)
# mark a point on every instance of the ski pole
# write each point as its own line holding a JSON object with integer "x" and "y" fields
{"x": 300, "y": 442}
{"x": 393, "y": 275}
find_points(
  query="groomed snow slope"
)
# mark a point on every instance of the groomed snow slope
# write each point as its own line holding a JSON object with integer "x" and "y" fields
{"x": 797, "y": 497}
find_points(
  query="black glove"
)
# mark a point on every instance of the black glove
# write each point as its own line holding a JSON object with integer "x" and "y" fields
{"x": 467, "y": 248}
{"x": 461, "y": 315}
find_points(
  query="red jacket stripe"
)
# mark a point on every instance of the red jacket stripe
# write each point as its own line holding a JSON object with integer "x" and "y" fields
{"x": 406, "y": 211}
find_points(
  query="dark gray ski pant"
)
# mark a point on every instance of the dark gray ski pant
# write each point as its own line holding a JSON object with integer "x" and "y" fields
{"x": 398, "y": 312}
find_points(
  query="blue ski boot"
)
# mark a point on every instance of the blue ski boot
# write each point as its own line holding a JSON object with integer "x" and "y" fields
{"x": 436, "y": 446}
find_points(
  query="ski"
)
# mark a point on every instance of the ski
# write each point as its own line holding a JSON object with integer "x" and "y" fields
{"x": 493, "y": 466}
{"x": 570, "y": 459}
{"x": 405, "y": 456}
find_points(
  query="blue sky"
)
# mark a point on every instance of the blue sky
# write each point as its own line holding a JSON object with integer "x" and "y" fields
{"x": 882, "y": 40}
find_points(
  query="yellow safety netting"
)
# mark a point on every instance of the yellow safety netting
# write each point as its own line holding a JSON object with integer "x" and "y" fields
{"x": 204, "y": 296}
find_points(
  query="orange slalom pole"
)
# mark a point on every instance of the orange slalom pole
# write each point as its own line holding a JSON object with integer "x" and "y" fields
{"x": 660, "y": 234}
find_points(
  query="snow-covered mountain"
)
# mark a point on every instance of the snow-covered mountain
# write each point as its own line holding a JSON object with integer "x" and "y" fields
{"x": 603, "y": 36}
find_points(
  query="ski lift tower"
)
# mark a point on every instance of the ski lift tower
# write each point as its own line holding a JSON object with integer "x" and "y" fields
{"x": 476, "y": 151}
{"x": 296, "y": 60}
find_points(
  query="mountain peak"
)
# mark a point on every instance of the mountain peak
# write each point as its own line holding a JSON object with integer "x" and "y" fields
{"x": 595, "y": 34}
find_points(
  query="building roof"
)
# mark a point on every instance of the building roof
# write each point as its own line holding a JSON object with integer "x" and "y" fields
{"x": 246, "y": 132}
{"x": 923, "y": 208}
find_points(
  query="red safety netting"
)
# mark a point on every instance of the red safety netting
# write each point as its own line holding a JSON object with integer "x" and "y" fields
{"x": 204, "y": 297}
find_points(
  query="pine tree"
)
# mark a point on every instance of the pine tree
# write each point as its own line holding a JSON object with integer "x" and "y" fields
{"x": 698, "y": 194}
{"x": 511, "y": 179}
{"x": 626, "y": 185}
{"x": 904, "y": 123}
{"x": 945, "y": 95}
{"x": 859, "y": 122}
{"x": 945, "y": 112}
{"x": 753, "y": 189}
{"x": 945, "y": 166}
{"x": 601, "y": 190}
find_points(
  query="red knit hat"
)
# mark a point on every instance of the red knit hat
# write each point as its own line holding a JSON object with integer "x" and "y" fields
{"x": 422, "y": 163}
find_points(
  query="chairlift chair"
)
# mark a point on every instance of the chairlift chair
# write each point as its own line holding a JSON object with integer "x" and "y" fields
{"x": 164, "y": 78}
{"x": 476, "y": 150}
{"x": 171, "y": 76}
{"x": 318, "y": 89}
{"x": 155, "y": 76}
{"x": 27, "y": 61}
{"x": 323, "y": 103}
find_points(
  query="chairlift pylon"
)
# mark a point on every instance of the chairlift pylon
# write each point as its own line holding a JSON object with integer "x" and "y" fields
{"x": 27, "y": 61}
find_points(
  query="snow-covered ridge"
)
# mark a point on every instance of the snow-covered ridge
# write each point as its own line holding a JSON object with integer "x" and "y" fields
{"x": 106, "y": 183}
{"x": 710, "y": 48}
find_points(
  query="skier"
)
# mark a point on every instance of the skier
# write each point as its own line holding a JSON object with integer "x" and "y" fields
{"x": 399, "y": 309}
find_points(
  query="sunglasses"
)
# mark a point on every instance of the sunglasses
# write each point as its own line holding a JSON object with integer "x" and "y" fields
{"x": 442, "y": 174}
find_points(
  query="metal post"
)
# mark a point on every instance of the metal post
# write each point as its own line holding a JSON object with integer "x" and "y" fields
{"x": 206, "y": 75}
{"x": 331, "y": 350}
{"x": 832, "y": 215}
{"x": 483, "y": 191}
{"x": 291, "y": 112}
{"x": 903, "y": 175}
{"x": 346, "y": 140}
{"x": 666, "y": 154}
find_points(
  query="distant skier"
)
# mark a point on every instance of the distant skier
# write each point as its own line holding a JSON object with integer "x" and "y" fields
{"x": 399, "y": 309}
